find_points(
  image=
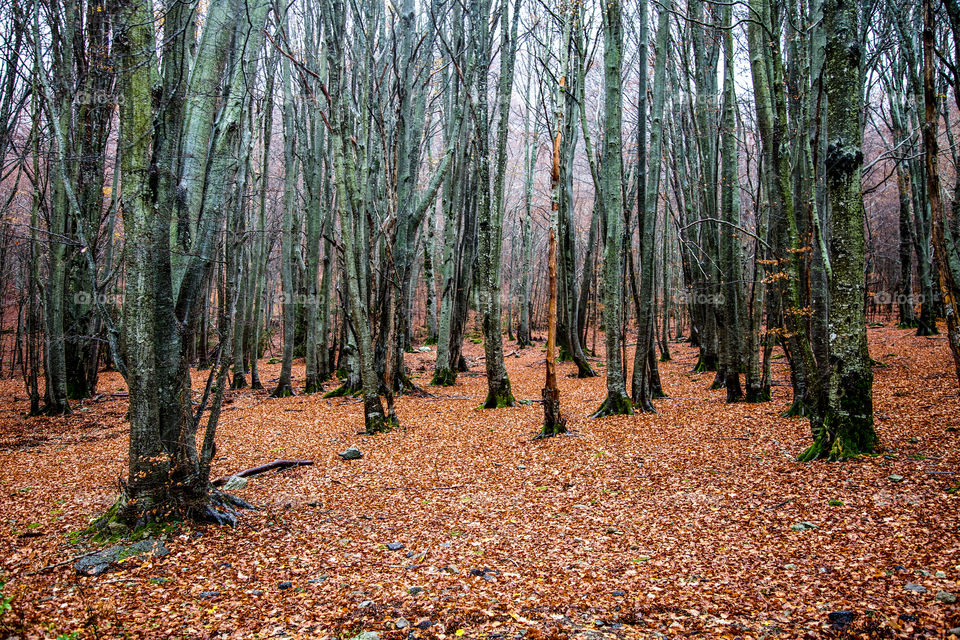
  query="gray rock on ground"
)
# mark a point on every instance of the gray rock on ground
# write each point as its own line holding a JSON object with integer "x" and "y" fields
{"x": 234, "y": 483}
{"x": 101, "y": 561}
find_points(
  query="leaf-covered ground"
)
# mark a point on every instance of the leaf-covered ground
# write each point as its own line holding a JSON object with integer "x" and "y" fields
{"x": 679, "y": 524}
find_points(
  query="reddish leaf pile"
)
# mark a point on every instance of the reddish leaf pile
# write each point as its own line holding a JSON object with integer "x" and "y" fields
{"x": 678, "y": 523}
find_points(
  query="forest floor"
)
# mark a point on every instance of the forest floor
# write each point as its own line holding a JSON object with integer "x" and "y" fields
{"x": 687, "y": 523}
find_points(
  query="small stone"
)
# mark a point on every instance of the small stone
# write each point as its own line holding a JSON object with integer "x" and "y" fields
{"x": 841, "y": 619}
{"x": 317, "y": 580}
{"x": 402, "y": 623}
{"x": 394, "y": 546}
{"x": 351, "y": 454}
{"x": 423, "y": 625}
{"x": 941, "y": 574}
{"x": 424, "y": 349}
{"x": 366, "y": 604}
{"x": 954, "y": 632}
{"x": 914, "y": 440}
{"x": 206, "y": 595}
{"x": 452, "y": 568}
{"x": 914, "y": 588}
{"x": 803, "y": 526}
{"x": 894, "y": 478}
{"x": 790, "y": 567}
{"x": 367, "y": 635}
{"x": 521, "y": 467}
{"x": 234, "y": 483}
{"x": 945, "y": 597}
{"x": 619, "y": 594}
{"x": 906, "y": 617}
{"x": 415, "y": 590}
{"x": 255, "y": 592}
{"x": 285, "y": 585}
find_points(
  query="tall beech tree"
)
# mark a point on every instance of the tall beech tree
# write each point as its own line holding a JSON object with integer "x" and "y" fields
{"x": 842, "y": 424}
{"x": 617, "y": 400}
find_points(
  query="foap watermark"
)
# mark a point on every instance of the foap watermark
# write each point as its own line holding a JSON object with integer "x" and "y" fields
{"x": 302, "y": 299}
{"x": 887, "y": 297}
{"x": 99, "y": 298}
{"x": 97, "y": 98}
{"x": 697, "y": 297}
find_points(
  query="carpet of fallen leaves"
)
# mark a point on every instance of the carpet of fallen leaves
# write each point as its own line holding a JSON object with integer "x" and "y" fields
{"x": 652, "y": 526}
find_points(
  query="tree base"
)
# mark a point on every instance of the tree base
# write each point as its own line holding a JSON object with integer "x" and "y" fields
{"x": 614, "y": 405}
{"x": 584, "y": 371}
{"x": 55, "y": 410}
{"x": 444, "y": 378}
{"x": 757, "y": 394}
{"x": 312, "y": 386}
{"x": 178, "y": 504}
{"x": 239, "y": 382}
{"x": 553, "y": 421}
{"x": 719, "y": 381}
{"x": 838, "y": 448}
{"x": 283, "y": 390}
{"x": 926, "y": 328}
{"x": 342, "y": 391}
{"x": 500, "y": 398}
{"x": 705, "y": 363}
{"x": 379, "y": 423}
{"x": 798, "y": 409}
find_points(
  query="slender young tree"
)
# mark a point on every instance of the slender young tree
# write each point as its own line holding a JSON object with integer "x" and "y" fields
{"x": 642, "y": 383}
{"x": 490, "y": 214}
{"x": 617, "y": 400}
{"x": 730, "y": 211}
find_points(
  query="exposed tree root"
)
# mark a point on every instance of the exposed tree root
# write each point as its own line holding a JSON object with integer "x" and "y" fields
{"x": 254, "y": 471}
{"x": 614, "y": 405}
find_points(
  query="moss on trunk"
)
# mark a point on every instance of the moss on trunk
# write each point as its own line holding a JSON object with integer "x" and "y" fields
{"x": 614, "y": 405}
{"x": 500, "y": 398}
{"x": 444, "y": 377}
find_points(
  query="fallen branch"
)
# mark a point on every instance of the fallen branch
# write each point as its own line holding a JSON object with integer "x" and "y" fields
{"x": 65, "y": 562}
{"x": 453, "y": 486}
{"x": 780, "y": 504}
{"x": 277, "y": 464}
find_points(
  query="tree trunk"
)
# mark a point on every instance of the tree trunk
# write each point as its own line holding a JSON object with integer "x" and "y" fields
{"x": 617, "y": 401}
{"x": 843, "y": 427}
